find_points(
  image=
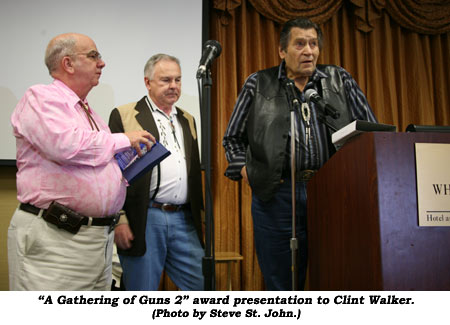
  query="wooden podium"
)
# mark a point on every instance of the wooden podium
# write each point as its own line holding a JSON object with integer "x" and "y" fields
{"x": 363, "y": 221}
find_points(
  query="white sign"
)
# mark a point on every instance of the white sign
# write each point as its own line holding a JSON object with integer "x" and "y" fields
{"x": 433, "y": 184}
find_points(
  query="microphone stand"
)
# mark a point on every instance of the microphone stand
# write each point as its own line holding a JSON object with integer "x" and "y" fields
{"x": 208, "y": 264}
{"x": 321, "y": 116}
{"x": 294, "y": 105}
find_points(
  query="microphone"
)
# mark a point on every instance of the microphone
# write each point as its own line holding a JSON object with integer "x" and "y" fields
{"x": 313, "y": 96}
{"x": 211, "y": 50}
{"x": 290, "y": 87}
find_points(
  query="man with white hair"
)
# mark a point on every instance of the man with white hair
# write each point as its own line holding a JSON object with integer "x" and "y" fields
{"x": 161, "y": 228}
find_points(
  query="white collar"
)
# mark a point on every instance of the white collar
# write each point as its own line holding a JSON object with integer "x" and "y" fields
{"x": 154, "y": 108}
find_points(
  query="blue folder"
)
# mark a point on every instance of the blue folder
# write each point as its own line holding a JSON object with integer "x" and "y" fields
{"x": 142, "y": 164}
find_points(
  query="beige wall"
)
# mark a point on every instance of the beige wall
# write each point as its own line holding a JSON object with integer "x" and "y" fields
{"x": 8, "y": 203}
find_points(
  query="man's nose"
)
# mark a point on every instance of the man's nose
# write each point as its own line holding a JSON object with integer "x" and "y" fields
{"x": 307, "y": 49}
{"x": 101, "y": 63}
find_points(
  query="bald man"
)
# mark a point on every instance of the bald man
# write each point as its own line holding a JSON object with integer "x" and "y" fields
{"x": 69, "y": 185}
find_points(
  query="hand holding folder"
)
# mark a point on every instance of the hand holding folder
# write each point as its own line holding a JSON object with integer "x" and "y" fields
{"x": 133, "y": 166}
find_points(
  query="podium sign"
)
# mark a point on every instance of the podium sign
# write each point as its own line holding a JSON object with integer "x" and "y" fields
{"x": 433, "y": 184}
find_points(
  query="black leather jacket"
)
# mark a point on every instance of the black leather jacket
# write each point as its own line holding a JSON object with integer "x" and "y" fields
{"x": 268, "y": 126}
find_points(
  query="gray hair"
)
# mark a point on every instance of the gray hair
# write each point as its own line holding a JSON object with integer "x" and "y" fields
{"x": 57, "y": 49}
{"x": 150, "y": 65}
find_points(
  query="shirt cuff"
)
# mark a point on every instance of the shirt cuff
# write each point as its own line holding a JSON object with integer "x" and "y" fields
{"x": 123, "y": 218}
{"x": 234, "y": 169}
{"x": 121, "y": 142}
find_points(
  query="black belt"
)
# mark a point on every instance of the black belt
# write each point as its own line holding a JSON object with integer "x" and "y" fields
{"x": 300, "y": 176}
{"x": 169, "y": 207}
{"x": 108, "y": 221}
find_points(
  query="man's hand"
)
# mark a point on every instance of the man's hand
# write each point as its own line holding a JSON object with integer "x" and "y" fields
{"x": 137, "y": 137}
{"x": 123, "y": 236}
{"x": 244, "y": 174}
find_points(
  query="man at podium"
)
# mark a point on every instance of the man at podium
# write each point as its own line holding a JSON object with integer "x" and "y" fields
{"x": 257, "y": 142}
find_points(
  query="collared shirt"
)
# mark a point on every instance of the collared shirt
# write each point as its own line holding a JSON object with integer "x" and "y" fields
{"x": 173, "y": 182}
{"x": 312, "y": 155}
{"x": 60, "y": 158}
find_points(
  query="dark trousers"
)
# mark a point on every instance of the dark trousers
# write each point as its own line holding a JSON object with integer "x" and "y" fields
{"x": 272, "y": 223}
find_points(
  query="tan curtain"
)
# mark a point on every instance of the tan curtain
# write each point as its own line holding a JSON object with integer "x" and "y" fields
{"x": 279, "y": 11}
{"x": 424, "y": 16}
{"x": 398, "y": 51}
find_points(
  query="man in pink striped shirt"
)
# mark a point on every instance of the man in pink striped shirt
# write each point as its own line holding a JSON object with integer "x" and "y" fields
{"x": 65, "y": 153}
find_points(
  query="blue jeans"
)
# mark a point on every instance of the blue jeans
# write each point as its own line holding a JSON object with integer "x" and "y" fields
{"x": 272, "y": 223}
{"x": 172, "y": 244}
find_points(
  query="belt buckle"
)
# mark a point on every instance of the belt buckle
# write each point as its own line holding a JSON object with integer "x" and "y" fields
{"x": 166, "y": 207}
{"x": 307, "y": 174}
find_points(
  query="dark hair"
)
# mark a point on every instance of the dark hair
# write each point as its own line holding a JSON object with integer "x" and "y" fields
{"x": 303, "y": 23}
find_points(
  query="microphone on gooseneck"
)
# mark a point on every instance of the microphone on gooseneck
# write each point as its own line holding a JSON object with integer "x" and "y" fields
{"x": 211, "y": 50}
{"x": 311, "y": 95}
{"x": 290, "y": 87}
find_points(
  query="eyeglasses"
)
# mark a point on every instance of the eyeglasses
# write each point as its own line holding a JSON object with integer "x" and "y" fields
{"x": 93, "y": 55}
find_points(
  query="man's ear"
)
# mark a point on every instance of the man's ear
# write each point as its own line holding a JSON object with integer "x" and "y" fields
{"x": 281, "y": 53}
{"x": 67, "y": 65}
{"x": 147, "y": 83}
